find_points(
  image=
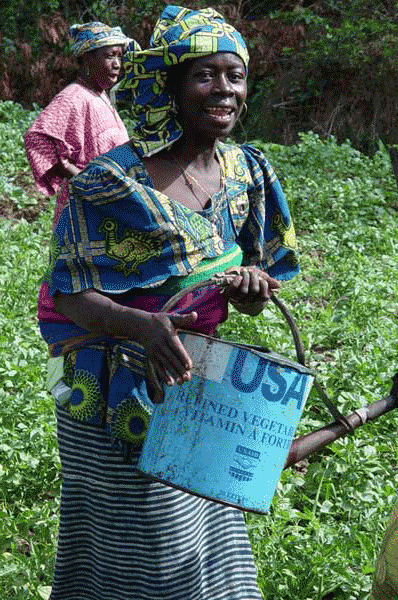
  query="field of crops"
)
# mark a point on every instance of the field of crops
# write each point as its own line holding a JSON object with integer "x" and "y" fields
{"x": 321, "y": 538}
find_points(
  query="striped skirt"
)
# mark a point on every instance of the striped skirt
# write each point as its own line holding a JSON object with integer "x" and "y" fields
{"x": 125, "y": 537}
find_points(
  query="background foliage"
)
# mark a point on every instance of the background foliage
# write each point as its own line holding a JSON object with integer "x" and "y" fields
{"x": 328, "y": 66}
{"x": 16, "y": 185}
{"x": 323, "y": 534}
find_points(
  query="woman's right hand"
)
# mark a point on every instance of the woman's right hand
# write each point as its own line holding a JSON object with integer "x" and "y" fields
{"x": 168, "y": 360}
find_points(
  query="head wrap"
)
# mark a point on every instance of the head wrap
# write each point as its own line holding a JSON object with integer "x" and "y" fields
{"x": 180, "y": 34}
{"x": 91, "y": 36}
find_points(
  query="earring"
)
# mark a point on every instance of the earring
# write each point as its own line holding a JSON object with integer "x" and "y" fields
{"x": 87, "y": 71}
{"x": 243, "y": 112}
{"x": 174, "y": 107}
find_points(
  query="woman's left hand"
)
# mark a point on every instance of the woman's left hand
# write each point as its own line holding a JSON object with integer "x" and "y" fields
{"x": 250, "y": 291}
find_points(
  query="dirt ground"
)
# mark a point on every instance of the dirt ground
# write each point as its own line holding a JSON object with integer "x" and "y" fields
{"x": 8, "y": 208}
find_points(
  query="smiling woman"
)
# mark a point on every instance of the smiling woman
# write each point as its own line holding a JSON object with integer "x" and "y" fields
{"x": 209, "y": 93}
{"x": 147, "y": 219}
{"x": 212, "y": 95}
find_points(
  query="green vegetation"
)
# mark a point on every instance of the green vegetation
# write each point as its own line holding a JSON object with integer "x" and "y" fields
{"x": 15, "y": 172}
{"x": 321, "y": 539}
{"x": 322, "y": 536}
{"x": 29, "y": 471}
{"x": 327, "y": 66}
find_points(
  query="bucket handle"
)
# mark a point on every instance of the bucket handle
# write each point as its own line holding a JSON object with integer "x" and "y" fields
{"x": 222, "y": 280}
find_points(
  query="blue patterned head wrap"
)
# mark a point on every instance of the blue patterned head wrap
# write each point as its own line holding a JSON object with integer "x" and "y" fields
{"x": 91, "y": 36}
{"x": 180, "y": 34}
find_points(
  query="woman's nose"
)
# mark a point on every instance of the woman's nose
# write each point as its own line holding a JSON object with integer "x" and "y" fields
{"x": 223, "y": 85}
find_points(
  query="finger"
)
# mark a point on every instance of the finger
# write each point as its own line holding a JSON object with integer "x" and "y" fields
{"x": 183, "y": 320}
{"x": 254, "y": 285}
{"x": 165, "y": 372}
{"x": 233, "y": 270}
{"x": 235, "y": 284}
{"x": 264, "y": 291}
{"x": 167, "y": 350}
{"x": 170, "y": 364}
{"x": 173, "y": 354}
{"x": 155, "y": 388}
{"x": 245, "y": 284}
{"x": 273, "y": 284}
{"x": 232, "y": 289}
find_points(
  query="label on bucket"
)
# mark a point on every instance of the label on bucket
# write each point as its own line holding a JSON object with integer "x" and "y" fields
{"x": 226, "y": 433}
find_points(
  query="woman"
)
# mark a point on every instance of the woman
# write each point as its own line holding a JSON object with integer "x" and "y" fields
{"x": 80, "y": 123}
{"x": 143, "y": 221}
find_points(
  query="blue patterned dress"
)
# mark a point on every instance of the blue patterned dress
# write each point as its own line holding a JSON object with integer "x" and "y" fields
{"x": 123, "y": 536}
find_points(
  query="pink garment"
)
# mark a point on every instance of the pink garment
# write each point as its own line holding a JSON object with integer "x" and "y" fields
{"x": 78, "y": 124}
{"x": 210, "y": 304}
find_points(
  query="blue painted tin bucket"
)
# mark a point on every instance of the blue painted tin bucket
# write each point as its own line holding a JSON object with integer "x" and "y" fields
{"x": 225, "y": 434}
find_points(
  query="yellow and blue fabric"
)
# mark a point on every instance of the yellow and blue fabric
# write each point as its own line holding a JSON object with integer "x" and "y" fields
{"x": 180, "y": 34}
{"x": 118, "y": 233}
{"x": 123, "y": 238}
{"x": 91, "y": 36}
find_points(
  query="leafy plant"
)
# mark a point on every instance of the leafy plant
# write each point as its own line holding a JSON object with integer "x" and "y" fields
{"x": 322, "y": 536}
{"x": 323, "y": 533}
{"x": 15, "y": 171}
{"x": 29, "y": 472}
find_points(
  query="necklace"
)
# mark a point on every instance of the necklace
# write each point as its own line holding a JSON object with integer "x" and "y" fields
{"x": 186, "y": 174}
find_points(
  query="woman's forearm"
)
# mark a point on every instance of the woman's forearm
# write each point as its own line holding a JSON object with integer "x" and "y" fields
{"x": 156, "y": 332}
{"x": 63, "y": 169}
{"x": 100, "y": 315}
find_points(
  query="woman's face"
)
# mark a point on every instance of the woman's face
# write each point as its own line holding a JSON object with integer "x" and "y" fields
{"x": 212, "y": 95}
{"x": 102, "y": 66}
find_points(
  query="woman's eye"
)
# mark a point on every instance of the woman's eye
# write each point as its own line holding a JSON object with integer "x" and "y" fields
{"x": 205, "y": 75}
{"x": 236, "y": 76}
{"x": 202, "y": 75}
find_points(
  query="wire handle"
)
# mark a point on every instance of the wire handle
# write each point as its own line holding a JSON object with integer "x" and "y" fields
{"x": 222, "y": 280}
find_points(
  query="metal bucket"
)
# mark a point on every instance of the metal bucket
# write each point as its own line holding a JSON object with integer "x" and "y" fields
{"x": 225, "y": 435}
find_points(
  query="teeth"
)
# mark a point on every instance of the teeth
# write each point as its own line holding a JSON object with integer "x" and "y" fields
{"x": 219, "y": 111}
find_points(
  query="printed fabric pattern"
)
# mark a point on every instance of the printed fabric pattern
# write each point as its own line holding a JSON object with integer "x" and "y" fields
{"x": 87, "y": 37}
{"x": 385, "y": 583}
{"x": 119, "y": 235}
{"x": 180, "y": 34}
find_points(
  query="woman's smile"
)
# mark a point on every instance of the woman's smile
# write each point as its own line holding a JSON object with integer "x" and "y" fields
{"x": 212, "y": 94}
{"x": 221, "y": 114}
